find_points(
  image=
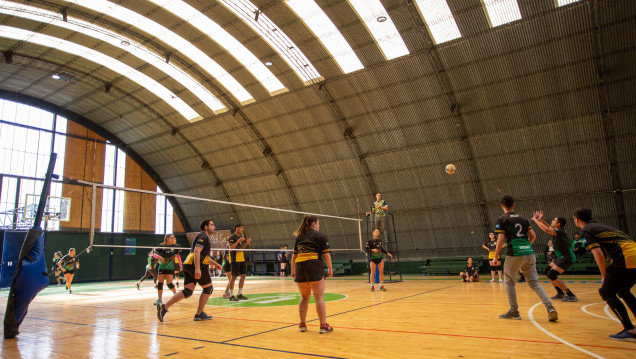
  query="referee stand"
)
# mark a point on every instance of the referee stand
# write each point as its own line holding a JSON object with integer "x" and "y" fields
{"x": 390, "y": 243}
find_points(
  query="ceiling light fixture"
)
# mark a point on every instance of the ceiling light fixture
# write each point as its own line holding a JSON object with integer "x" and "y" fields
{"x": 381, "y": 18}
{"x": 268, "y": 63}
{"x": 55, "y": 77}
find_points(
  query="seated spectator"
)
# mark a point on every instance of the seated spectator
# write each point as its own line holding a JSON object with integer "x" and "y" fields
{"x": 472, "y": 272}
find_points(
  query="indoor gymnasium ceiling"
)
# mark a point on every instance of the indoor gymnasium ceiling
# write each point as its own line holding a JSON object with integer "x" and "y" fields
{"x": 252, "y": 102}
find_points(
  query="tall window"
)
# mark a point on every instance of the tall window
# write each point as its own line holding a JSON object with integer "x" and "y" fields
{"x": 27, "y": 138}
{"x": 113, "y": 200}
{"x": 164, "y": 215}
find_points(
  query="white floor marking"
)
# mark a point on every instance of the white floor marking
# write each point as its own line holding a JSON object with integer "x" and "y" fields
{"x": 558, "y": 338}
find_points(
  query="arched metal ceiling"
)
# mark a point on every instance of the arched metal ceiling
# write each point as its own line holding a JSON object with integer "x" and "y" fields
{"x": 541, "y": 108}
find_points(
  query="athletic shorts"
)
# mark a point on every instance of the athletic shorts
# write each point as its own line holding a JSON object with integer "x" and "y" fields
{"x": 238, "y": 268}
{"x": 562, "y": 263}
{"x": 376, "y": 260}
{"x": 309, "y": 271}
{"x": 227, "y": 267}
{"x": 177, "y": 267}
{"x": 188, "y": 275}
{"x": 70, "y": 271}
{"x": 166, "y": 271}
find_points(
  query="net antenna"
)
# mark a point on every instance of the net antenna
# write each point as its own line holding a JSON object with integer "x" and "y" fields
{"x": 100, "y": 185}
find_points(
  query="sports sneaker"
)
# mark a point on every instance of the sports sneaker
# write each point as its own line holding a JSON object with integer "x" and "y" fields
{"x": 158, "y": 301}
{"x": 491, "y": 281}
{"x": 325, "y": 328}
{"x": 226, "y": 295}
{"x": 510, "y": 315}
{"x": 161, "y": 311}
{"x": 177, "y": 284}
{"x": 558, "y": 296}
{"x": 302, "y": 327}
{"x": 372, "y": 288}
{"x": 202, "y": 316}
{"x": 241, "y": 297}
{"x": 501, "y": 281}
{"x": 624, "y": 335}
{"x": 553, "y": 316}
{"x": 234, "y": 299}
{"x": 136, "y": 285}
{"x": 383, "y": 289}
{"x": 570, "y": 298}
{"x": 70, "y": 291}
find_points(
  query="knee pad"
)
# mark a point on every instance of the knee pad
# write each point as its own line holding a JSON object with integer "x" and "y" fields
{"x": 160, "y": 286}
{"x": 463, "y": 276}
{"x": 170, "y": 285}
{"x": 552, "y": 274}
{"x": 207, "y": 290}
{"x": 187, "y": 292}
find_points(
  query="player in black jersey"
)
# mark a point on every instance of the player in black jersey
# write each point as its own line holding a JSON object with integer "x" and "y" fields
{"x": 166, "y": 258}
{"x": 307, "y": 270}
{"x": 68, "y": 264}
{"x": 227, "y": 268}
{"x": 495, "y": 263}
{"x": 374, "y": 250}
{"x": 562, "y": 251}
{"x": 620, "y": 276}
{"x": 282, "y": 260}
{"x": 471, "y": 273}
{"x": 237, "y": 260}
{"x": 516, "y": 231}
{"x": 195, "y": 270}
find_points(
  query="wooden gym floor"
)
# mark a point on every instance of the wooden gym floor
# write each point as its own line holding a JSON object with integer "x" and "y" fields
{"x": 435, "y": 317}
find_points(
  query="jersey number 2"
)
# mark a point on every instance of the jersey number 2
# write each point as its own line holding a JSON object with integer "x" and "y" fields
{"x": 519, "y": 234}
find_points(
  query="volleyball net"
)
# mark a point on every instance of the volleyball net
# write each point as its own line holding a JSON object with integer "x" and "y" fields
{"x": 270, "y": 228}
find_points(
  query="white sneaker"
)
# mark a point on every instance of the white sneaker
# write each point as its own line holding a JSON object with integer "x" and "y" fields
{"x": 500, "y": 280}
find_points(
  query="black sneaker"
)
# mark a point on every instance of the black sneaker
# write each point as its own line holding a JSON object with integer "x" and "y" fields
{"x": 234, "y": 299}
{"x": 553, "y": 316}
{"x": 558, "y": 296}
{"x": 624, "y": 335}
{"x": 202, "y": 316}
{"x": 161, "y": 311}
{"x": 510, "y": 315}
{"x": 241, "y": 297}
{"x": 136, "y": 285}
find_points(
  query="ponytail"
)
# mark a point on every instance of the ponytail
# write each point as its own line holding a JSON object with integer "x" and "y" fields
{"x": 305, "y": 224}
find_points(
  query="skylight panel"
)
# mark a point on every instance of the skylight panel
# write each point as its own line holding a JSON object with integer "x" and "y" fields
{"x": 502, "y": 11}
{"x": 78, "y": 50}
{"x": 227, "y": 41}
{"x": 439, "y": 20}
{"x": 381, "y": 27}
{"x": 565, "y": 2}
{"x": 182, "y": 45}
{"x": 275, "y": 37}
{"x": 327, "y": 33}
{"x": 119, "y": 41}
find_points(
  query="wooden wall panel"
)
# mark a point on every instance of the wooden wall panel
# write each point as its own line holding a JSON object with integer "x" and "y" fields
{"x": 177, "y": 227}
{"x": 85, "y": 161}
{"x": 139, "y": 209}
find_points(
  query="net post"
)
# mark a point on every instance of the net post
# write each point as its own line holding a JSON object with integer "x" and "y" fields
{"x": 91, "y": 233}
{"x": 360, "y": 234}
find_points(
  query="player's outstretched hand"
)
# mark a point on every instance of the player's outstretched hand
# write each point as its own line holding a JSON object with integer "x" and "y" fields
{"x": 390, "y": 255}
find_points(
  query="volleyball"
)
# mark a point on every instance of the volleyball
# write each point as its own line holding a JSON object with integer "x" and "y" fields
{"x": 450, "y": 168}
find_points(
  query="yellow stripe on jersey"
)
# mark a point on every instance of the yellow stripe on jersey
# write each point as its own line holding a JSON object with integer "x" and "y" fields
{"x": 190, "y": 259}
{"x": 500, "y": 231}
{"x": 306, "y": 256}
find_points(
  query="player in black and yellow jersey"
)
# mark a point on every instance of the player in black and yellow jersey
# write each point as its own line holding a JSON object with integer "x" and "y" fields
{"x": 68, "y": 264}
{"x": 495, "y": 263}
{"x": 471, "y": 273}
{"x": 620, "y": 276}
{"x": 227, "y": 269}
{"x": 374, "y": 250}
{"x": 307, "y": 270}
{"x": 237, "y": 261}
{"x": 516, "y": 231}
{"x": 563, "y": 252}
{"x": 195, "y": 270}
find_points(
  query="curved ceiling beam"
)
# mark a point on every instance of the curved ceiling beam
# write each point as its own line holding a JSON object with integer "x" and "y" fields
{"x": 445, "y": 83}
{"x": 70, "y": 115}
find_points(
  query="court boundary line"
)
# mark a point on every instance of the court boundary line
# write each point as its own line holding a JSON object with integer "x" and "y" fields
{"x": 190, "y": 339}
{"x": 345, "y": 312}
{"x": 531, "y": 317}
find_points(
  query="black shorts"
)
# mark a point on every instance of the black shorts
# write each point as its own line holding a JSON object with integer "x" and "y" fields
{"x": 188, "y": 275}
{"x": 309, "y": 271}
{"x": 72, "y": 271}
{"x": 562, "y": 263}
{"x": 177, "y": 268}
{"x": 227, "y": 267}
{"x": 376, "y": 260}
{"x": 617, "y": 280}
{"x": 238, "y": 268}
{"x": 166, "y": 271}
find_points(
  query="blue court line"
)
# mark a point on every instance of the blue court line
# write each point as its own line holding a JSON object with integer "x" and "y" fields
{"x": 333, "y": 315}
{"x": 192, "y": 339}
